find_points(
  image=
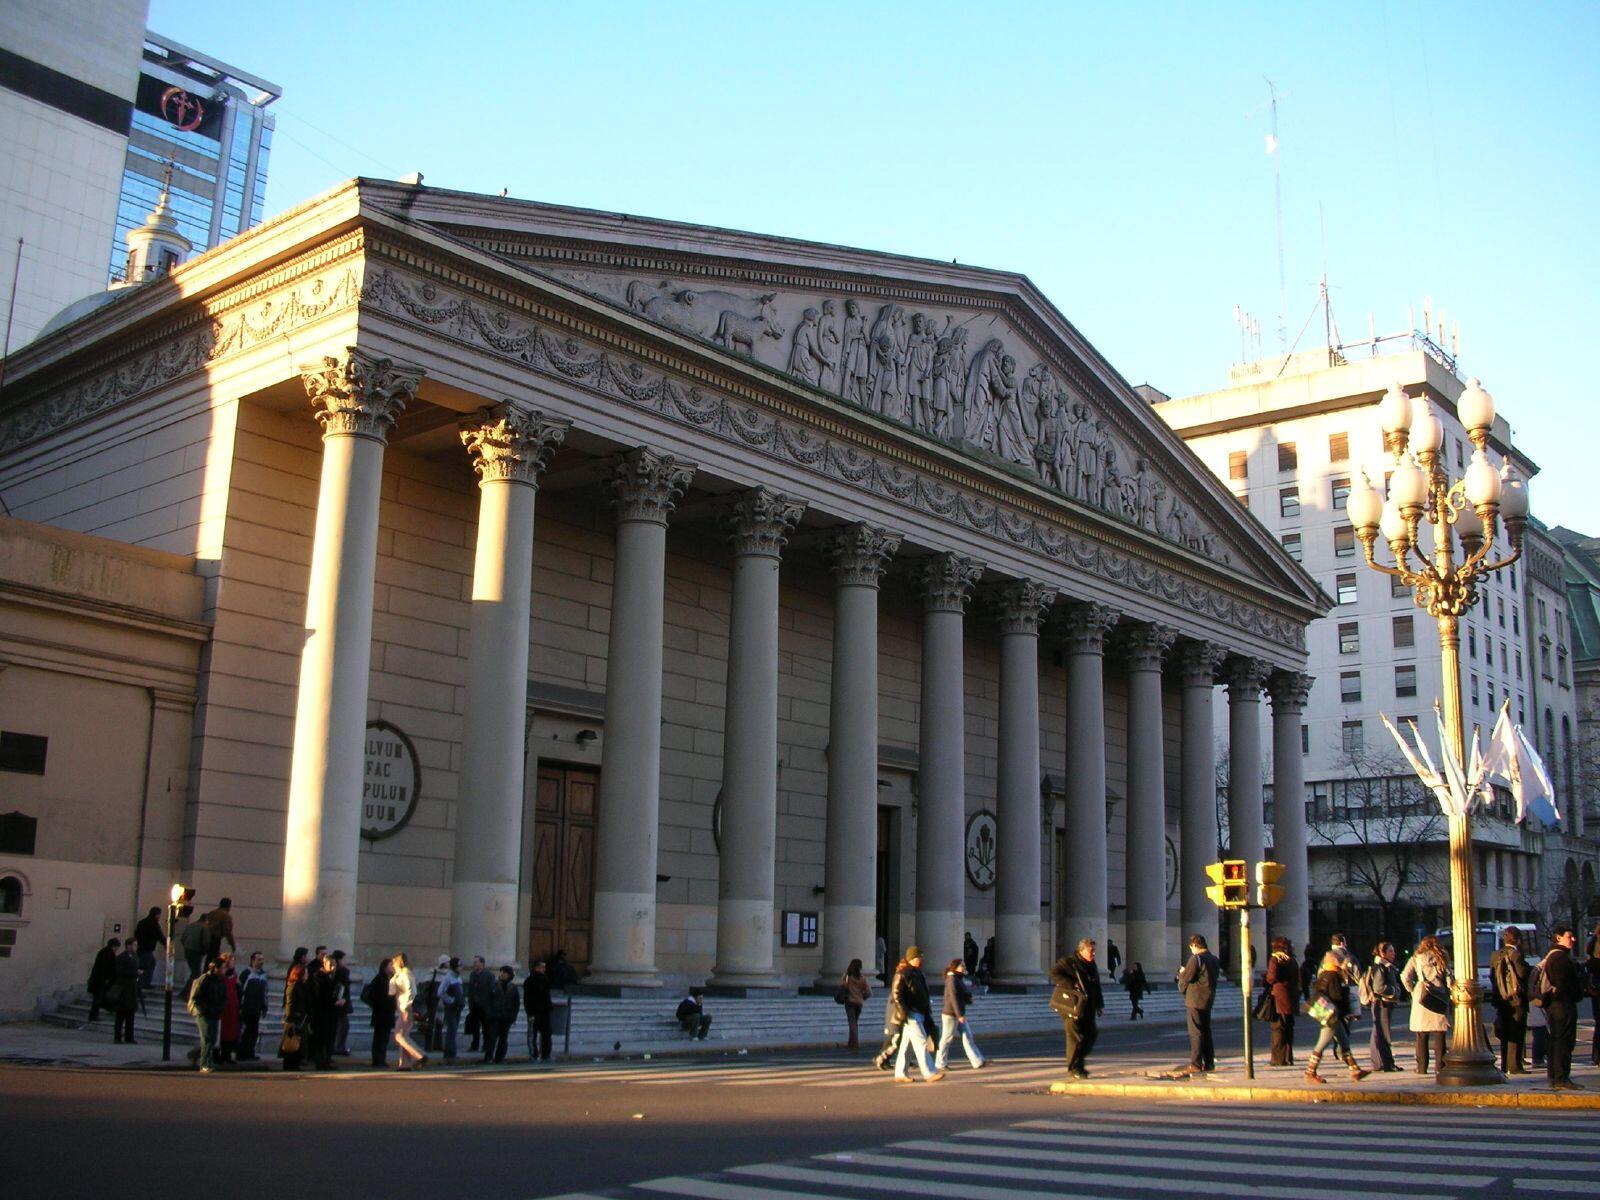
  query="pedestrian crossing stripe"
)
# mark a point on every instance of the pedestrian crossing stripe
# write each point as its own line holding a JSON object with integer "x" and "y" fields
{"x": 1577, "y": 1130}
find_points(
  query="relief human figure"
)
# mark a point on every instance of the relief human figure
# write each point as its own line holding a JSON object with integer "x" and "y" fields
{"x": 1142, "y": 496}
{"x": 1017, "y": 415}
{"x": 1049, "y": 447}
{"x": 828, "y": 341}
{"x": 857, "y": 360}
{"x": 1109, "y": 497}
{"x": 984, "y": 378}
{"x": 885, "y": 395}
{"x": 806, "y": 360}
{"x": 919, "y": 371}
{"x": 949, "y": 353}
{"x": 1086, "y": 458}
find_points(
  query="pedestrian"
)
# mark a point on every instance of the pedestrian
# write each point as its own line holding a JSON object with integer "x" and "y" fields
{"x": 1561, "y": 992}
{"x": 404, "y": 990}
{"x": 208, "y": 995}
{"x": 1330, "y": 1008}
{"x": 1428, "y": 978}
{"x": 1591, "y": 984}
{"x": 147, "y": 936}
{"x": 857, "y": 991}
{"x": 1077, "y": 1000}
{"x": 1508, "y": 992}
{"x": 504, "y": 1001}
{"x": 452, "y": 999}
{"x": 1340, "y": 949}
{"x": 953, "y": 1019}
{"x": 341, "y": 979}
{"x": 1309, "y": 965}
{"x": 1197, "y": 981}
{"x": 1137, "y": 987}
{"x": 911, "y": 1011}
{"x": 376, "y": 996}
{"x": 324, "y": 1009}
{"x": 1538, "y": 1027}
{"x": 193, "y": 942}
{"x": 123, "y": 995}
{"x": 1380, "y": 992}
{"x": 536, "y": 1004}
{"x": 1283, "y": 982}
{"x": 562, "y": 973}
{"x": 431, "y": 997}
{"x": 969, "y": 952}
{"x": 480, "y": 993}
{"x": 102, "y": 974}
{"x": 1113, "y": 958}
{"x": 880, "y": 959}
{"x": 230, "y": 1026}
{"x": 986, "y": 962}
{"x": 252, "y": 1004}
{"x": 218, "y": 924}
{"x": 296, "y": 1016}
{"x": 692, "y": 1017}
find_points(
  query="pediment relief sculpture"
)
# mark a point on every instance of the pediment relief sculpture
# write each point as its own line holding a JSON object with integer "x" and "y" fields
{"x": 955, "y": 376}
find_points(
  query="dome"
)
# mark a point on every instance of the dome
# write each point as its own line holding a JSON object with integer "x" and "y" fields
{"x": 77, "y": 310}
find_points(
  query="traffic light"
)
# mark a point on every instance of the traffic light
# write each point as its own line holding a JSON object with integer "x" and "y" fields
{"x": 1230, "y": 884}
{"x": 1268, "y": 890}
{"x": 182, "y": 902}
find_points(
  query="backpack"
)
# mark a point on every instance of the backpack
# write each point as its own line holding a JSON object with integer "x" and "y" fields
{"x": 452, "y": 994}
{"x": 1506, "y": 979}
{"x": 1538, "y": 990}
{"x": 1367, "y": 989}
{"x": 369, "y": 992}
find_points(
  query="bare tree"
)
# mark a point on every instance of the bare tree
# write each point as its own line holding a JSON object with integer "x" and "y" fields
{"x": 1390, "y": 831}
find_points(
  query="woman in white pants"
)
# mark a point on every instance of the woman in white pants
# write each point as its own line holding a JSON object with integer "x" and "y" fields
{"x": 953, "y": 1017}
{"x": 404, "y": 990}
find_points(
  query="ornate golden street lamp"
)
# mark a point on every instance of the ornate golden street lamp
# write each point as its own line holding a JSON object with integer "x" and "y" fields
{"x": 1442, "y": 564}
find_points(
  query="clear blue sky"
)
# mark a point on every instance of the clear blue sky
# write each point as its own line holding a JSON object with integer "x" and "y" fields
{"x": 1114, "y": 153}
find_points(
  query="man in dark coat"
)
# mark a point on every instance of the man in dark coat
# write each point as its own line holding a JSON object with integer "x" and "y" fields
{"x": 1077, "y": 999}
{"x": 208, "y": 996}
{"x": 375, "y": 995}
{"x": 102, "y": 974}
{"x": 252, "y": 1004}
{"x": 504, "y": 1000}
{"x": 1562, "y": 992}
{"x": 123, "y": 998}
{"x": 480, "y": 993}
{"x": 324, "y": 1012}
{"x": 147, "y": 935}
{"x": 1198, "y": 983}
{"x": 536, "y": 1003}
{"x": 1508, "y": 990}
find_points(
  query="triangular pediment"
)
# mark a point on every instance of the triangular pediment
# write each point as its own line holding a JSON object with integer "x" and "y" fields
{"x": 977, "y": 359}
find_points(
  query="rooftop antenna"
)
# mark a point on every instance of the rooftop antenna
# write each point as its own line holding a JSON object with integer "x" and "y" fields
{"x": 1277, "y": 190}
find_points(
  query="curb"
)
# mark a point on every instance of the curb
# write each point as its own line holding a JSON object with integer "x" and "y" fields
{"x": 1488, "y": 1098}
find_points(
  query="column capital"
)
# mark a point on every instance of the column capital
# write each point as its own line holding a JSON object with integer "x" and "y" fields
{"x": 359, "y": 394}
{"x": 758, "y": 521}
{"x": 859, "y": 554}
{"x": 1018, "y": 604}
{"x": 1289, "y": 691}
{"x": 947, "y": 581}
{"x": 1144, "y": 644}
{"x": 645, "y": 485}
{"x": 1198, "y": 663}
{"x": 510, "y": 442}
{"x": 1245, "y": 677}
{"x": 1084, "y": 627}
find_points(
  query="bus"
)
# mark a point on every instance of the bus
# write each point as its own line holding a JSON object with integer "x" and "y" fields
{"x": 1486, "y": 940}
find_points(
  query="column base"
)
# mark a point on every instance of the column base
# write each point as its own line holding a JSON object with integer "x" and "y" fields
{"x": 483, "y": 920}
{"x": 823, "y": 989}
{"x": 624, "y": 940}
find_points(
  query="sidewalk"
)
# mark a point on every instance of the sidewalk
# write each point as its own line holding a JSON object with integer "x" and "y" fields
{"x": 1287, "y": 1085}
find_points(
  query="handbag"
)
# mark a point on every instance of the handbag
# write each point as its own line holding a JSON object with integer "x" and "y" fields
{"x": 289, "y": 1043}
{"x": 1265, "y": 1009}
{"x": 841, "y": 994}
{"x": 1068, "y": 1005}
{"x": 1321, "y": 1011}
{"x": 1435, "y": 1001}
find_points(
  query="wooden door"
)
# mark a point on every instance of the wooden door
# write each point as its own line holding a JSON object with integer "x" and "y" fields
{"x": 563, "y": 864}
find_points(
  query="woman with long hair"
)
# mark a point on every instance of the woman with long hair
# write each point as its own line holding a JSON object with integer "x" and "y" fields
{"x": 1330, "y": 1007}
{"x": 1283, "y": 982}
{"x": 856, "y": 991}
{"x": 404, "y": 990}
{"x": 953, "y": 1018}
{"x": 1428, "y": 978}
{"x": 296, "y": 1017}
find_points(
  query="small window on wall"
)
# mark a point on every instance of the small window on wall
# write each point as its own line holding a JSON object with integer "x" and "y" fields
{"x": 1349, "y": 686}
{"x": 10, "y": 896}
{"x": 1288, "y": 459}
{"x": 1404, "y": 633}
{"x": 23, "y": 753}
{"x": 1338, "y": 447}
{"x": 1305, "y": 739}
{"x": 1405, "y": 680}
{"x": 1340, "y": 492}
{"x": 19, "y": 833}
{"x": 1351, "y": 737}
{"x": 1344, "y": 542}
{"x": 1345, "y": 588}
{"x": 1398, "y": 587}
{"x": 1289, "y": 502}
{"x": 1349, "y": 637}
{"x": 1238, "y": 465}
{"x": 1474, "y": 691}
{"x": 1244, "y": 500}
{"x": 1291, "y": 543}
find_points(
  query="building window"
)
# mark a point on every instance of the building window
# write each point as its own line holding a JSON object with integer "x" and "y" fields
{"x": 1244, "y": 500}
{"x": 1288, "y": 459}
{"x": 1474, "y": 692}
{"x": 23, "y": 753}
{"x": 1350, "y": 737}
{"x": 1349, "y": 637}
{"x": 1349, "y": 686}
{"x": 1405, "y": 680}
{"x": 1472, "y": 642}
{"x": 1338, "y": 447}
{"x": 1522, "y": 709}
{"x": 1344, "y": 542}
{"x": 1291, "y": 544}
{"x": 19, "y": 833}
{"x": 1305, "y": 739}
{"x": 1503, "y": 667}
{"x": 1488, "y": 691}
{"x": 1519, "y": 666}
{"x": 1460, "y": 461}
{"x": 1341, "y": 492}
{"x": 1398, "y": 587}
{"x": 1500, "y": 606}
{"x": 1345, "y": 588}
{"x": 1499, "y": 869}
{"x": 1543, "y": 615}
{"x": 1516, "y": 615}
{"x": 10, "y": 896}
{"x": 1289, "y": 502}
{"x": 1404, "y": 632}
{"x": 1238, "y": 465}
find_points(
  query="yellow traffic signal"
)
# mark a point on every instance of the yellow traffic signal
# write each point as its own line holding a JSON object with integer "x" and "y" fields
{"x": 1230, "y": 884}
{"x": 1268, "y": 890}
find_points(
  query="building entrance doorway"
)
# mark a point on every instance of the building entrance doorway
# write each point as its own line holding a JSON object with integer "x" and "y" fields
{"x": 562, "y": 890}
{"x": 888, "y": 891}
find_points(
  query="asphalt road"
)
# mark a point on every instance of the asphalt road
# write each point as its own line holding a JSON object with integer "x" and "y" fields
{"x": 520, "y": 1132}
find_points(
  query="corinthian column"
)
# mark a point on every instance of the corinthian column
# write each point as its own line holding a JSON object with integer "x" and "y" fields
{"x": 1292, "y": 917}
{"x": 758, "y": 524}
{"x": 859, "y": 554}
{"x": 645, "y": 487}
{"x": 509, "y": 445}
{"x": 1246, "y": 832}
{"x": 947, "y": 581}
{"x": 1018, "y": 605}
{"x": 356, "y": 399}
{"x": 1197, "y": 819}
{"x": 1085, "y": 903}
{"x": 1145, "y": 855}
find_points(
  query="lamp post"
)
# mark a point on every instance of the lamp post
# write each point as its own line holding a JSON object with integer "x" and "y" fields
{"x": 1443, "y": 565}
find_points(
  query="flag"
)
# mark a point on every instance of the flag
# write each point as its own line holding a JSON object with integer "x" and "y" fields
{"x": 1514, "y": 761}
{"x": 1423, "y": 766}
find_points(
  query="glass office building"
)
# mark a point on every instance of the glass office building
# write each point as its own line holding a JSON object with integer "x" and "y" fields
{"x": 211, "y": 122}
